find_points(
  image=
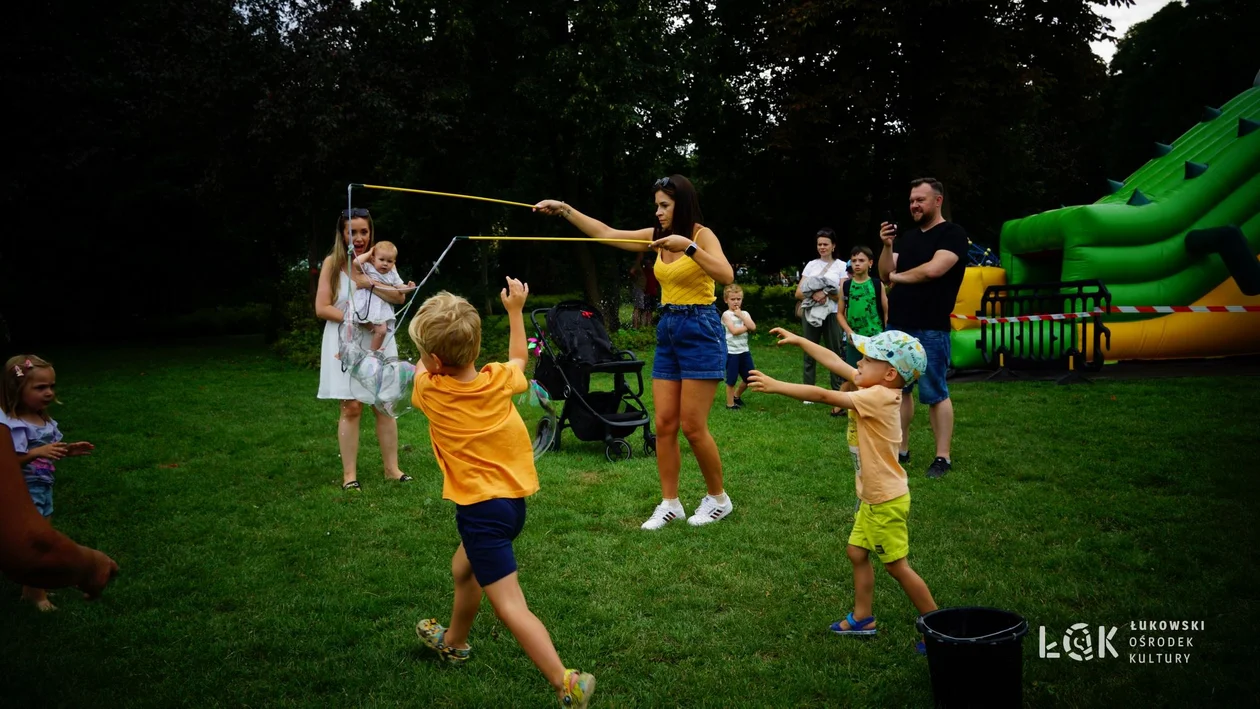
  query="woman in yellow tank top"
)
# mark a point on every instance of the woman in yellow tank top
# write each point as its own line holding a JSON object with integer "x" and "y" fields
{"x": 690, "y": 358}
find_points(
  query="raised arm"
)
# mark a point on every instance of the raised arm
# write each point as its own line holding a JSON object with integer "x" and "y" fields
{"x": 708, "y": 254}
{"x": 887, "y": 258}
{"x": 513, "y": 298}
{"x": 832, "y": 361}
{"x": 594, "y": 228}
{"x": 760, "y": 382}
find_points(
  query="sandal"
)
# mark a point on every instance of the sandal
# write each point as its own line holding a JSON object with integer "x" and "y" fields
{"x": 353, "y": 485}
{"x": 856, "y": 627}
{"x": 404, "y": 479}
{"x": 837, "y": 411}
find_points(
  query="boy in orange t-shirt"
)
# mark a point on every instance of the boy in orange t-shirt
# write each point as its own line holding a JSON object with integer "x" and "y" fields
{"x": 890, "y": 360}
{"x": 487, "y": 461}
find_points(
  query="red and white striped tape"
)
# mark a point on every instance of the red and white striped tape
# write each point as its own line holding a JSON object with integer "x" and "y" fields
{"x": 1118, "y": 309}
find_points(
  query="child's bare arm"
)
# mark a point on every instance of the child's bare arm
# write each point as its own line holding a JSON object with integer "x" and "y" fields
{"x": 749, "y": 325}
{"x": 513, "y": 298}
{"x": 883, "y": 298}
{"x": 802, "y": 392}
{"x": 733, "y": 329}
{"x": 844, "y": 321}
{"x": 832, "y": 361}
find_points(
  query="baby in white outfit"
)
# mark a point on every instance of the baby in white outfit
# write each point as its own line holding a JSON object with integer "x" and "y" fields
{"x": 370, "y": 310}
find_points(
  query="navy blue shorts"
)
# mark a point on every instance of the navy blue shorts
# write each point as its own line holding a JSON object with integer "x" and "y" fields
{"x": 936, "y": 345}
{"x": 738, "y": 366}
{"x": 690, "y": 343}
{"x": 487, "y": 530}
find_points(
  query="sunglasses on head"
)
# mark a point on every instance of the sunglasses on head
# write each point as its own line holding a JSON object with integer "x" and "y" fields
{"x": 356, "y": 212}
{"x": 663, "y": 184}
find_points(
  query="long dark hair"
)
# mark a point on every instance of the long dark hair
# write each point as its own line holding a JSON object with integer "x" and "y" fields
{"x": 340, "y": 260}
{"x": 686, "y": 206}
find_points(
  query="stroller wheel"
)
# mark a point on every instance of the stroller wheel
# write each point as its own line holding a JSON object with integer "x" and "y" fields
{"x": 649, "y": 444}
{"x": 616, "y": 450}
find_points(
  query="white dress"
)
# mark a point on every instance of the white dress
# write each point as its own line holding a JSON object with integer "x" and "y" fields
{"x": 369, "y": 307}
{"x": 333, "y": 382}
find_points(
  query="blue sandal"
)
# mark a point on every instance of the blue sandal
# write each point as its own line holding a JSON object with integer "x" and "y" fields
{"x": 856, "y": 627}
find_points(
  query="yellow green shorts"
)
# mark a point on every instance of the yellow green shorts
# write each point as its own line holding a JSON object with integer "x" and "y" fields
{"x": 882, "y": 529}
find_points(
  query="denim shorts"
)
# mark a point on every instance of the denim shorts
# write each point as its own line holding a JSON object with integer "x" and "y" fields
{"x": 738, "y": 366}
{"x": 487, "y": 530}
{"x": 932, "y": 387}
{"x": 41, "y": 493}
{"x": 690, "y": 343}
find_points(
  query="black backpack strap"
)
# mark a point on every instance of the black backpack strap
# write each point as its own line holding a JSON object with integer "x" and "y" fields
{"x": 844, "y": 289}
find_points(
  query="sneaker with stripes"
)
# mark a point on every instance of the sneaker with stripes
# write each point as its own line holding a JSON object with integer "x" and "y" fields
{"x": 710, "y": 511}
{"x": 664, "y": 514}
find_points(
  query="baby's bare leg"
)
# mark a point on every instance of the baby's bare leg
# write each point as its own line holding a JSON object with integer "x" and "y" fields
{"x": 378, "y": 335}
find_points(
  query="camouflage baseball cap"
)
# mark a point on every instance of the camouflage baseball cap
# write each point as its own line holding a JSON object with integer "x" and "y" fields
{"x": 895, "y": 347}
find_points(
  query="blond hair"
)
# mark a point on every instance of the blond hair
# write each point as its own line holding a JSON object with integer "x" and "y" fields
{"x": 386, "y": 248}
{"x": 14, "y": 379}
{"x": 448, "y": 327}
{"x": 340, "y": 264}
{"x": 732, "y": 289}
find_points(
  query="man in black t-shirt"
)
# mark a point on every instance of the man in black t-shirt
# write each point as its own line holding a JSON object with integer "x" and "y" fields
{"x": 924, "y": 268}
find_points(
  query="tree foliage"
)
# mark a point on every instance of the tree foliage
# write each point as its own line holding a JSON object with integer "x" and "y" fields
{"x": 172, "y": 155}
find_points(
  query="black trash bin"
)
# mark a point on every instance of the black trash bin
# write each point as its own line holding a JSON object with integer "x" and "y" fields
{"x": 975, "y": 656}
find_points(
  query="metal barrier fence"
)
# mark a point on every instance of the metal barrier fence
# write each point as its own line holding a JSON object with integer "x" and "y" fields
{"x": 1045, "y": 344}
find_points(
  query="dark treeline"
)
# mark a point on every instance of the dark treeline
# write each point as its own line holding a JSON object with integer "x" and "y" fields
{"x": 170, "y": 156}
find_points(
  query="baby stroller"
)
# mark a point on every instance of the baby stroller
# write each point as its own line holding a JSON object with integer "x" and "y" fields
{"x": 575, "y": 345}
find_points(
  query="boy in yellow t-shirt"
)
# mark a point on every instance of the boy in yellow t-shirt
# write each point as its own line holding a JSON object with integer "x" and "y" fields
{"x": 890, "y": 361}
{"x": 487, "y": 461}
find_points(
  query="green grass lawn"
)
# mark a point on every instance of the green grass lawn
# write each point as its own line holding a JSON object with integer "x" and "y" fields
{"x": 250, "y": 579}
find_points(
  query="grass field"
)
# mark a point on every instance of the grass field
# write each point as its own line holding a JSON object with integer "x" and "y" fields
{"x": 250, "y": 579}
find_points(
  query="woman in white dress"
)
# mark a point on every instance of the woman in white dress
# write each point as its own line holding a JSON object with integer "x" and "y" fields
{"x": 354, "y": 227}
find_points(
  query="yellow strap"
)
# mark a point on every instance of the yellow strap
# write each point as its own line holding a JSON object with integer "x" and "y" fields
{"x": 446, "y": 194}
{"x": 551, "y": 238}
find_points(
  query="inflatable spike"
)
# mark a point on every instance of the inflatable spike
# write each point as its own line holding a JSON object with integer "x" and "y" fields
{"x": 1137, "y": 199}
{"x": 1246, "y": 126}
{"x": 1194, "y": 169}
{"x": 1115, "y": 186}
{"x": 1210, "y": 113}
{"x": 1231, "y": 245}
{"x": 1162, "y": 149}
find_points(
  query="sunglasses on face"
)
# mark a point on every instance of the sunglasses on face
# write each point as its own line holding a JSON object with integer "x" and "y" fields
{"x": 356, "y": 212}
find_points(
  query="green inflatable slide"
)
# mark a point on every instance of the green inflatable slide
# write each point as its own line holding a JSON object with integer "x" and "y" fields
{"x": 1184, "y": 229}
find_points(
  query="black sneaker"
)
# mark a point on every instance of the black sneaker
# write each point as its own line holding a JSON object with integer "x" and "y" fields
{"x": 903, "y": 458}
{"x": 739, "y": 401}
{"x": 938, "y": 468}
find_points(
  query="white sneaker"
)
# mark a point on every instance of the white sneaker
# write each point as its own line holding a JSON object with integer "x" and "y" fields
{"x": 808, "y": 403}
{"x": 710, "y": 511}
{"x": 662, "y": 515}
